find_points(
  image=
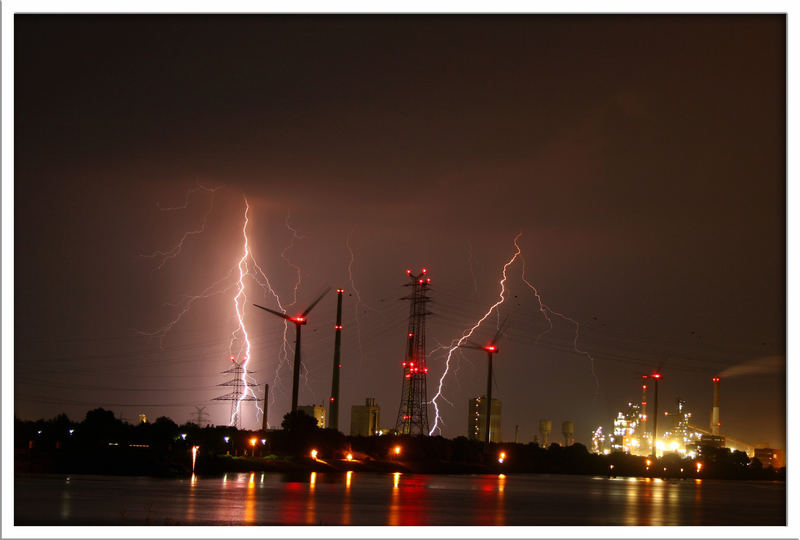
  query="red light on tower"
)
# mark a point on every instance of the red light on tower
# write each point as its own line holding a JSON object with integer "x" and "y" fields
{"x": 421, "y": 281}
{"x": 715, "y": 379}
{"x": 424, "y": 270}
{"x": 491, "y": 348}
{"x": 656, "y": 375}
{"x": 429, "y": 280}
{"x": 299, "y": 319}
{"x": 410, "y": 334}
{"x": 339, "y": 291}
{"x": 408, "y": 272}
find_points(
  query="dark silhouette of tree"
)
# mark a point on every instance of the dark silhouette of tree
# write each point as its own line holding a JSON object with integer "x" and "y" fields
{"x": 299, "y": 422}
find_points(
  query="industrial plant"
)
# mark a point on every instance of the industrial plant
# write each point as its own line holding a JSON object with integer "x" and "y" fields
{"x": 633, "y": 432}
{"x": 640, "y": 428}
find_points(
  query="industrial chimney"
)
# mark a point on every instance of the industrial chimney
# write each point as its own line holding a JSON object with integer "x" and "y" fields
{"x": 545, "y": 428}
{"x": 568, "y": 431}
{"x": 333, "y": 409}
{"x": 715, "y": 423}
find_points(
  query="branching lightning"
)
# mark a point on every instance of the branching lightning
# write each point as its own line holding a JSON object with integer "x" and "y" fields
{"x": 468, "y": 333}
{"x": 174, "y": 251}
{"x": 544, "y": 309}
{"x": 358, "y": 302}
{"x": 187, "y": 305}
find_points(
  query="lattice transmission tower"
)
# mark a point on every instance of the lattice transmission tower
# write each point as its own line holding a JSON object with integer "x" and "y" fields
{"x": 412, "y": 418}
{"x": 236, "y": 397}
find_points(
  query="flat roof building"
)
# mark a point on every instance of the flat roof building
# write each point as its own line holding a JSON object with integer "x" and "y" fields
{"x": 365, "y": 419}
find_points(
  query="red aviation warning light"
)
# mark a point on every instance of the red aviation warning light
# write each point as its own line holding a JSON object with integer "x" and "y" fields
{"x": 424, "y": 270}
{"x": 656, "y": 375}
{"x": 338, "y": 327}
{"x": 299, "y": 319}
{"x": 715, "y": 379}
{"x": 491, "y": 348}
{"x": 408, "y": 271}
{"x": 233, "y": 358}
{"x": 339, "y": 291}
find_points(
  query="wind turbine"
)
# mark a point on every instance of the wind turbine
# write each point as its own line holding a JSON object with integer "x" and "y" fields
{"x": 491, "y": 349}
{"x": 298, "y": 321}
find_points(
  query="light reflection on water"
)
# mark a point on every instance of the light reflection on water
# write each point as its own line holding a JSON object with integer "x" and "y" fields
{"x": 394, "y": 499}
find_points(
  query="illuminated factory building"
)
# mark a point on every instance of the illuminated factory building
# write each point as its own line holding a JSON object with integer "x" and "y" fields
{"x": 476, "y": 419}
{"x": 365, "y": 419}
{"x": 314, "y": 411}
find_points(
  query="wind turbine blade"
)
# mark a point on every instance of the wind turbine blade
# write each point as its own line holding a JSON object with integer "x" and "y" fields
{"x": 278, "y": 313}
{"x": 471, "y": 347}
{"x": 315, "y": 302}
{"x": 499, "y": 331}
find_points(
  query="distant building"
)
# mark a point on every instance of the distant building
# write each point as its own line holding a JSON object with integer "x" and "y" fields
{"x": 770, "y": 457}
{"x": 476, "y": 419}
{"x": 365, "y": 419}
{"x": 315, "y": 411}
{"x": 142, "y": 418}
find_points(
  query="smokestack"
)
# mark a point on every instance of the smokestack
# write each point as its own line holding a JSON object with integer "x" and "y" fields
{"x": 715, "y": 423}
{"x": 264, "y": 417}
{"x": 333, "y": 411}
{"x": 643, "y": 415}
{"x": 656, "y": 377}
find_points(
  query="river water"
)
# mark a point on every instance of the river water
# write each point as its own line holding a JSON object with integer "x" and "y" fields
{"x": 393, "y": 499}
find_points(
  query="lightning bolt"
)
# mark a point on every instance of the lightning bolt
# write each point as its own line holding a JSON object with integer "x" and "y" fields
{"x": 189, "y": 192}
{"x": 358, "y": 302}
{"x": 283, "y": 354}
{"x": 455, "y": 344}
{"x": 545, "y": 310}
{"x": 296, "y": 268}
{"x": 186, "y": 305}
{"x": 174, "y": 251}
{"x": 239, "y": 302}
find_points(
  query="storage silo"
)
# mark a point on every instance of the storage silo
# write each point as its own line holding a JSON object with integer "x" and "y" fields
{"x": 568, "y": 431}
{"x": 545, "y": 428}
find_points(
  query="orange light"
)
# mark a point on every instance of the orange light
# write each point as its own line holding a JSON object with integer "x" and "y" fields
{"x": 699, "y": 466}
{"x": 648, "y": 462}
{"x": 314, "y": 454}
{"x": 397, "y": 450}
{"x": 253, "y": 442}
{"x": 349, "y": 457}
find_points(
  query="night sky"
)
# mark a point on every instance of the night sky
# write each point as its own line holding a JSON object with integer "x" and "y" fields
{"x": 641, "y": 157}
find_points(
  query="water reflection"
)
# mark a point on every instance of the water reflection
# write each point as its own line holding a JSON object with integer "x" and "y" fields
{"x": 347, "y": 498}
{"x": 346, "y": 507}
{"x": 250, "y": 501}
{"x": 190, "y": 517}
{"x": 500, "y": 506}
{"x": 311, "y": 506}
